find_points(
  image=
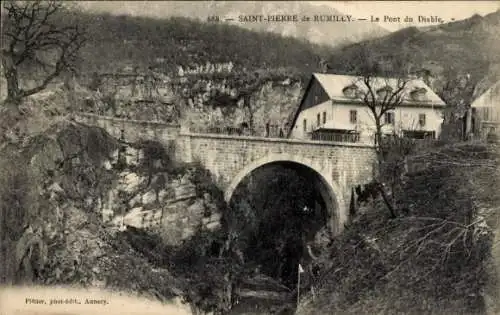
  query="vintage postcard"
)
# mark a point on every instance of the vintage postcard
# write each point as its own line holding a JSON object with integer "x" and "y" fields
{"x": 256, "y": 157}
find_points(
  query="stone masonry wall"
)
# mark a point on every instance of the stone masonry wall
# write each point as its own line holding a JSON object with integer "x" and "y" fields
{"x": 225, "y": 156}
{"x": 342, "y": 165}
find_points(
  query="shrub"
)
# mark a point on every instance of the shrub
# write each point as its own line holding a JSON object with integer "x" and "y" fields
{"x": 18, "y": 208}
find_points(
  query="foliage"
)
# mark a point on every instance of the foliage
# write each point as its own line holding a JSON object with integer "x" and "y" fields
{"x": 435, "y": 48}
{"x": 457, "y": 90}
{"x": 18, "y": 208}
{"x": 184, "y": 42}
{"x": 431, "y": 258}
{"x": 206, "y": 269}
{"x": 210, "y": 271}
{"x": 17, "y": 195}
{"x": 392, "y": 168}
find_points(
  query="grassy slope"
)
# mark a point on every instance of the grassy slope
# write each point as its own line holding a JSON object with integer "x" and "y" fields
{"x": 433, "y": 259}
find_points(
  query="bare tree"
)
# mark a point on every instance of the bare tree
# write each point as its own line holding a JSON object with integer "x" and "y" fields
{"x": 457, "y": 90}
{"x": 381, "y": 83}
{"x": 381, "y": 96}
{"x": 35, "y": 33}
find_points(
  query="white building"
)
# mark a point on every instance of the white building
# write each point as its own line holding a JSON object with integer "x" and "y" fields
{"x": 332, "y": 108}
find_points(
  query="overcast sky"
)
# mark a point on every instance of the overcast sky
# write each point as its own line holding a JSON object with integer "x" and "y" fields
{"x": 447, "y": 10}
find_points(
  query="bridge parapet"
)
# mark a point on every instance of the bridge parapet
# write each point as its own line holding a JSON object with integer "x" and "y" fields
{"x": 277, "y": 139}
{"x": 272, "y": 133}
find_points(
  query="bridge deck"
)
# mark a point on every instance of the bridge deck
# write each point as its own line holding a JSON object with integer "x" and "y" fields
{"x": 277, "y": 140}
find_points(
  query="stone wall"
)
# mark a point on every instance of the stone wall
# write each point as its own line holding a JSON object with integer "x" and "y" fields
{"x": 134, "y": 130}
{"x": 341, "y": 165}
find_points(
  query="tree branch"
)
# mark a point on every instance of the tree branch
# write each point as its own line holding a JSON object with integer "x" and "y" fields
{"x": 32, "y": 32}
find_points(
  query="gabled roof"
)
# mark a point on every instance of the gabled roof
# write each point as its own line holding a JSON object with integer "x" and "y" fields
{"x": 334, "y": 85}
{"x": 490, "y": 98}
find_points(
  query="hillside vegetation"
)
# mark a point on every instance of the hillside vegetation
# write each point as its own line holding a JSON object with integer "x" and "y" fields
{"x": 117, "y": 41}
{"x": 468, "y": 46}
{"x": 434, "y": 258}
{"x": 332, "y": 34}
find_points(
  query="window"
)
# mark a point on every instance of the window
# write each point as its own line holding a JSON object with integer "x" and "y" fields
{"x": 318, "y": 119}
{"x": 486, "y": 112}
{"x": 421, "y": 120}
{"x": 350, "y": 91}
{"x": 305, "y": 125}
{"x": 389, "y": 118}
{"x": 324, "y": 118}
{"x": 353, "y": 116}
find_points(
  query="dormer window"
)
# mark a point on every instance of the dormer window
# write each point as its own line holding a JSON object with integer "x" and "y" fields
{"x": 419, "y": 94}
{"x": 350, "y": 91}
{"x": 384, "y": 92}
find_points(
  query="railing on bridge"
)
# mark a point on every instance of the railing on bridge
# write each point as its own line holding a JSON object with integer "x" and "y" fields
{"x": 276, "y": 132}
{"x": 273, "y": 132}
{"x": 335, "y": 137}
{"x": 223, "y": 130}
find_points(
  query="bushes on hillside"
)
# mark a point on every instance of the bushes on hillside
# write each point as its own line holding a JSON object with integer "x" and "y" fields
{"x": 182, "y": 41}
{"x": 432, "y": 258}
{"x": 18, "y": 207}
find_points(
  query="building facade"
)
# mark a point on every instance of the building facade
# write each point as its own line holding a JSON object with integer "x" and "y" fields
{"x": 485, "y": 116}
{"x": 333, "y": 109}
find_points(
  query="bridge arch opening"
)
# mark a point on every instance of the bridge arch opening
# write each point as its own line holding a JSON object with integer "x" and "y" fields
{"x": 280, "y": 206}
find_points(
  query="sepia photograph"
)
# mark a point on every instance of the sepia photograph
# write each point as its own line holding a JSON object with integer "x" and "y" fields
{"x": 249, "y": 157}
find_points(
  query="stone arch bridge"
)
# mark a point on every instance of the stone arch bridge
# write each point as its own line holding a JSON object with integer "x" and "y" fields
{"x": 336, "y": 167}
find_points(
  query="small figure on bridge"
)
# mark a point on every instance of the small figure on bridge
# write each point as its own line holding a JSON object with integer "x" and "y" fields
{"x": 267, "y": 129}
{"x": 282, "y": 134}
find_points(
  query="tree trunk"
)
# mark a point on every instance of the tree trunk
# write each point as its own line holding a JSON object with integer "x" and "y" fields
{"x": 378, "y": 139}
{"x": 387, "y": 202}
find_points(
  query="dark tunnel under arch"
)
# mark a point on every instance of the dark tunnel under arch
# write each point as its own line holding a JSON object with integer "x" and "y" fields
{"x": 327, "y": 188}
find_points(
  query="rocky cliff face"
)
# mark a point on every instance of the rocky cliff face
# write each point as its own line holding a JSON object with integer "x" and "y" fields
{"x": 210, "y": 95}
{"x": 149, "y": 194}
{"x": 77, "y": 190}
{"x": 273, "y": 103}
